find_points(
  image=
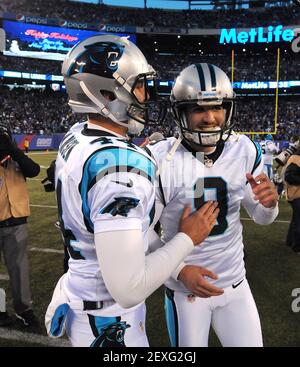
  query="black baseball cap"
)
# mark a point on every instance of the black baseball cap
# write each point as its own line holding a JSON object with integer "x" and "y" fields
{"x": 5, "y": 130}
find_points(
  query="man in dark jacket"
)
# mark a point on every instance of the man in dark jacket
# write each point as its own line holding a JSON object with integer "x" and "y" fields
{"x": 15, "y": 166}
{"x": 292, "y": 181}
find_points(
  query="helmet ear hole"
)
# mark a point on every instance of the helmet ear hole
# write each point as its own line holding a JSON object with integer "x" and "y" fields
{"x": 108, "y": 95}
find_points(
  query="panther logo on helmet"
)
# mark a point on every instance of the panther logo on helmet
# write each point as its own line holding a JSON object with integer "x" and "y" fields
{"x": 102, "y": 75}
{"x": 100, "y": 58}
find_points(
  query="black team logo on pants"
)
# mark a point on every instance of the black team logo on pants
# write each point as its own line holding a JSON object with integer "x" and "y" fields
{"x": 112, "y": 335}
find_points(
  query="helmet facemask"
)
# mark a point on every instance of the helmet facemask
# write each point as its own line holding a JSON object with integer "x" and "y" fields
{"x": 204, "y": 136}
{"x": 146, "y": 108}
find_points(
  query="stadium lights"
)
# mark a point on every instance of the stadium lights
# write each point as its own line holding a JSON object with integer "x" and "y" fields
{"x": 178, "y": 36}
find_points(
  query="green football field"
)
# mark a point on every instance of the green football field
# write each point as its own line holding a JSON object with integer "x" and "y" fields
{"x": 272, "y": 271}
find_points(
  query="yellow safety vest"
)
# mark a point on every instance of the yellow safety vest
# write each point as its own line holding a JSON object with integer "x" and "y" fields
{"x": 14, "y": 198}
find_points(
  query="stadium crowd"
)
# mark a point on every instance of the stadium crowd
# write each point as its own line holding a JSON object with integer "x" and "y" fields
{"x": 103, "y": 14}
{"x": 29, "y": 65}
{"x": 35, "y": 111}
{"x": 258, "y": 114}
{"x": 248, "y": 67}
{"x": 47, "y": 112}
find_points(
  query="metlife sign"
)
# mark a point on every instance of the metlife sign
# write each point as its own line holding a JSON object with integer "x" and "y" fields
{"x": 257, "y": 35}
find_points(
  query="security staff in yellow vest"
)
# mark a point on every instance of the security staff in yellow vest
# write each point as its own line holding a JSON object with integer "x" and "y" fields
{"x": 26, "y": 145}
{"x": 15, "y": 166}
{"x": 292, "y": 182}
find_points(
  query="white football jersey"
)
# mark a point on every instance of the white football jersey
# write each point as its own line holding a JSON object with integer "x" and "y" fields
{"x": 100, "y": 177}
{"x": 268, "y": 149}
{"x": 186, "y": 179}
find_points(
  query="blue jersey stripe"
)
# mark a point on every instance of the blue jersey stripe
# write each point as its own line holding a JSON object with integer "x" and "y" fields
{"x": 109, "y": 160}
{"x": 171, "y": 317}
{"x": 258, "y": 156}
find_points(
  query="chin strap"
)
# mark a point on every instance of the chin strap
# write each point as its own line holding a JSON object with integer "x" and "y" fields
{"x": 169, "y": 156}
{"x": 103, "y": 110}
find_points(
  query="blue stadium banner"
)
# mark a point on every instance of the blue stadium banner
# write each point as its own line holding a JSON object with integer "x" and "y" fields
{"x": 266, "y": 84}
{"x": 52, "y": 142}
{"x": 33, "y": 76}
{"x": 109, "y": 28}
{"x": 45, "y": 42}
{"x": 30, "y": 19}
{"x": 116, "y": 28}
{"x": 36, "y": 142}
{"x": 39, "y": 142}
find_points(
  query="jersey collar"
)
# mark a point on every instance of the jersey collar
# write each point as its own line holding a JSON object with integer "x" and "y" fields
{"x": 95, "y": 130}
{"x": 213, "y": 156}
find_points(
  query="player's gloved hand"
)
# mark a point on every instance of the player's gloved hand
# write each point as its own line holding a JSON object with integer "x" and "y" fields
{"x": 193, "y": 277}
{"x": 199, "y": 224}
{"x": 263, "y": 189}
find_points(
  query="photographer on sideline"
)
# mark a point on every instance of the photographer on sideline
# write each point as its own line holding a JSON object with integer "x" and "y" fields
{"x": 292, "y": 181}
{"x": 15, "y": 166}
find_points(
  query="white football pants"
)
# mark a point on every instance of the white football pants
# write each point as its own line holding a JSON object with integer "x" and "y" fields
{"x": 87, "y": 330}
{"x": 233, "y": 316}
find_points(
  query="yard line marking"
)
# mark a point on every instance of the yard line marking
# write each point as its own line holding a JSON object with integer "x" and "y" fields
{"x": 39, "y": 249}
{"x": 42, "y": 153}
{"x": 276, "y": 221}
{"x": 4, "y": 277}
{"x": 43, "y": 206}
{"x": 32, "y": 338}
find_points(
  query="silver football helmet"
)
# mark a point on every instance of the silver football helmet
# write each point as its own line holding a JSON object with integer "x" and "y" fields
{"x": 111, "y": 66}
{"x": 203, "y": 85}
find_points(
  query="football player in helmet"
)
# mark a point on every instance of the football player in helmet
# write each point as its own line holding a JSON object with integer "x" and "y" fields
{"x": 211, "y": 162}
{"x": 105, "y": 193}
{"x": 268, "y": 148}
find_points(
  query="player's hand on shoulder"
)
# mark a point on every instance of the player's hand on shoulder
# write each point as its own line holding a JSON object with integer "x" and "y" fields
{"x": 199, "y": 224}
{"x": 263, "y": 189}
{"x": 194, "y": 279}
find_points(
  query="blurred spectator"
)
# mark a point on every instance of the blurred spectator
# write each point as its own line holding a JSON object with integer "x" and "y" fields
{"x": 292, "y": 180}
{"x": 14, "y": 211}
